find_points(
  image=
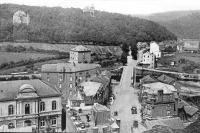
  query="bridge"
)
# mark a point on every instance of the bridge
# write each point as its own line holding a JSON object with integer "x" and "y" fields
{"x": 182, "y": 76}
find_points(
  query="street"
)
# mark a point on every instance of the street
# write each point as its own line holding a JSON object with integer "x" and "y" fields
{"x": 126, "y": 97}
{"x": 70, "y": 127}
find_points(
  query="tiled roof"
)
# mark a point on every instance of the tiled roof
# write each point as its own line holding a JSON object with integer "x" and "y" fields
{"x": 77, "y": 96}
{"x": 190, "y": 110}
{"x": 148, "y": 79}
{"x": 173, "y": 123}
{"x": 68, "y": 67}
{"x": 90, "y": 88}
{"x": 188, "y": 88}
{"x": 166, "y": 79}
{"x": 80, "y": 48}
{"x": 10, "y": 89}
{"x": 154, "y": 87}
{"x": 99, "y": 108}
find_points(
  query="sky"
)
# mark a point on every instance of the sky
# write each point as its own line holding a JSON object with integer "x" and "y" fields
{"x": 133, "y": 7}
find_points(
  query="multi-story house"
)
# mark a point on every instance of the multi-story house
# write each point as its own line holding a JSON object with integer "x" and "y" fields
{"x": 159, "y": 100}
{"x": 155, "y": 49}
{"x": 148, "y": 60}
{"x": 67, "y": 76}
{"x": 80, "y": 54}
{"x": 30, "y": 103}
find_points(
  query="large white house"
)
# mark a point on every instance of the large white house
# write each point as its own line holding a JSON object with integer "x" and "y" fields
{"x": 155, "y": 49}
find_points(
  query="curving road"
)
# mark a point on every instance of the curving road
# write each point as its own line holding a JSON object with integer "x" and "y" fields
{"x": 126, "y": 97}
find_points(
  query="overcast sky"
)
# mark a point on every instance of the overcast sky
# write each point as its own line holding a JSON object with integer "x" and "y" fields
{"x": 118, "y": 6}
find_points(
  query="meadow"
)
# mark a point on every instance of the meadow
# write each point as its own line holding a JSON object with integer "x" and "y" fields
{"x": 15, "y": 57}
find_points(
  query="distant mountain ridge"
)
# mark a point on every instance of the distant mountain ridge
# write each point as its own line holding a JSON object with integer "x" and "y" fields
{"x": 56, "y": 24}
{"x": 184, "y": 24}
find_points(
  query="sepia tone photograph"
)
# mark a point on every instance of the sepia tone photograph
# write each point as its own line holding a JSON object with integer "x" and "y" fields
{"x": 100, "y": 66}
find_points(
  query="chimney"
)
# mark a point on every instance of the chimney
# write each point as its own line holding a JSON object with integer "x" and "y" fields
{"x": 160, "y": 95}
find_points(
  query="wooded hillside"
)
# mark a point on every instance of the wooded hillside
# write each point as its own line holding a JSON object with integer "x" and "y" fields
{"x": 60, "y": 25}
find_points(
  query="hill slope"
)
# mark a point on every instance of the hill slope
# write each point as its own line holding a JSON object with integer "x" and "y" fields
{"x": 184, "y": 24}
{"x": 71, "y": 24}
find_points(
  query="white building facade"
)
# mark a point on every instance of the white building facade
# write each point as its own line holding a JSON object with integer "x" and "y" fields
{"x": 148, "y": 59}
{"x": 26, "y": 104}
{"x": 154, "y": 48}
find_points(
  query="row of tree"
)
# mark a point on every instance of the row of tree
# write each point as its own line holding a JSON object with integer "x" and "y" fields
{"x": 56, "y": 25}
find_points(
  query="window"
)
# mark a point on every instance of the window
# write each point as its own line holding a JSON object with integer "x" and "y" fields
{"x": 53, "y": 105}
{"x": 60, "y": 78}
{"x": 70, "y": 78}
{"x": 42, "y": 123}
{"x": 174, "y": 107}
{"x": 27, "y": 123}
{"x": 10, "y": 110}
{"x": 53, "y": 121}
{"x": 70, "y": 85}
{"x": 11, "y": 125}
{"x": 60, "y": 85}
{"x": 168, "y": 112}
{"x": 27, "y": 108}
{"x": 42, "y": 106}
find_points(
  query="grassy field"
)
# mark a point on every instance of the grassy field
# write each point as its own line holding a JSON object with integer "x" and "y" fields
{"x": 15, "y": 57}
{"x": 191, "y": 59}
{"x": 36, "y": 65}
{"x": 66, "y": 47}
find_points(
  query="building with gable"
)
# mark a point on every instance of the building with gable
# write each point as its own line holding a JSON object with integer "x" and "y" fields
{"x": 67, "y": 76}
{"x": 155, "y": 49}
{"x": 80, "y": 54}
{"x": 30, "y": 103}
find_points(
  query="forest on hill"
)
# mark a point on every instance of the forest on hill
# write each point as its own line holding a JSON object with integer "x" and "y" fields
{"x": 60, "y": 25}
{"x": 184, "y": 24}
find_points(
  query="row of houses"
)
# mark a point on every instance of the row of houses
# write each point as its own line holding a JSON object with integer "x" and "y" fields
{"x": 162, "y": 100}
{"x": 41, "y": 104}
{"x": 147, "y": 55}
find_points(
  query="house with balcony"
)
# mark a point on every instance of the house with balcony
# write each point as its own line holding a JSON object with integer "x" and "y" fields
{"x": 30, "y": 103}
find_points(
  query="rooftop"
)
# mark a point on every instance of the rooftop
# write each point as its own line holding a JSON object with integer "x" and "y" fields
{"x": 173, "y": 123}
{"x": 90, "y": 88}
{"x": 154, "y": 87}
{"x": 10, "y": 89}
{"x": 148, "y": 79}
{"x": 99, "y": 108}
{"x": 80, "y": 48}
{"x": 188, "y": 88}
{"x": 68, "y": 67}
{"x": 166, "y": 79}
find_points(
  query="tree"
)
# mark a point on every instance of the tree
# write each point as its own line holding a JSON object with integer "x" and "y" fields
{"x": 125, "y": 48}
{"x": 124, "y": 58}
{"x": 134, "y": 51}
